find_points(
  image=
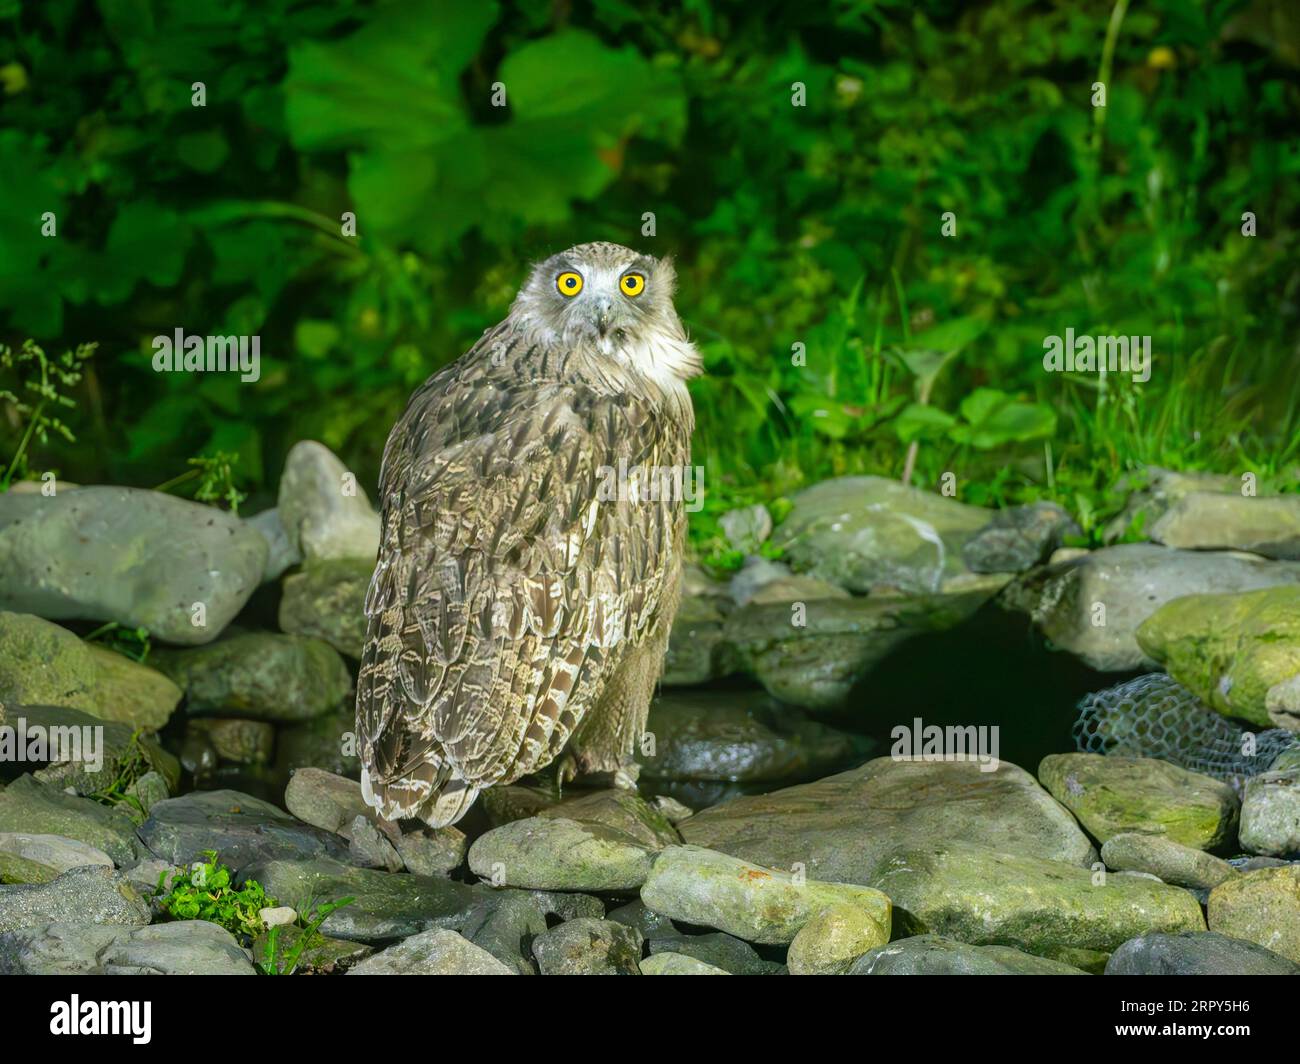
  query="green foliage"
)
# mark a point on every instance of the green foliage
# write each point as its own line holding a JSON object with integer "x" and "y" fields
{"x": 214, "y": 480}
{"x": 204, "y": 892}
{"x": 37, "y": 394}
{"x": 310, "y": 918}
{"x": 130, "y": 768}
{"x": 819, "y": 226}
{"x": 134, "y": 643}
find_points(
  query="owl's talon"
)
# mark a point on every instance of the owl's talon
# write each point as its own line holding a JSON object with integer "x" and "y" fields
{"x": 566, "y": 770}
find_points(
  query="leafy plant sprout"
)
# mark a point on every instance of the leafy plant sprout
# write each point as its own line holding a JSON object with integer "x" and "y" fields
{"x": 205, "y": 891}
{"x": 215, "y": 474}
{"x": 41, "y": 392}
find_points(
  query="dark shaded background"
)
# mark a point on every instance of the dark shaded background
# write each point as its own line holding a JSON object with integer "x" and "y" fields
{"x": 816, "y": 225}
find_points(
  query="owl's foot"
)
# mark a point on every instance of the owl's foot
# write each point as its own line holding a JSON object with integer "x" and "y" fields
{"x": 566, "y": 771}
{"x": 622, "y": 774}
{"x": 626, "y": 776}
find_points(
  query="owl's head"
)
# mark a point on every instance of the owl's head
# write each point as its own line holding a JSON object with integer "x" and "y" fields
{"x": 608, "y": 298}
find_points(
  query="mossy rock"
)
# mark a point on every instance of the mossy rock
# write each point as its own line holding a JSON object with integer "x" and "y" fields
{"x": 44, "y": 664}
{"x": 326, "y": 600}
{"x": 1046, "y": 908}
{"x": 122, "y": 756}
{"x": 1240, "y": 653}
{"x": 261, "y": 675}
{"x": 1114, "y": 795}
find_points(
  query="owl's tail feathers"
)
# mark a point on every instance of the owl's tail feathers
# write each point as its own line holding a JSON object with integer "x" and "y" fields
{"x": 410, "y": 796}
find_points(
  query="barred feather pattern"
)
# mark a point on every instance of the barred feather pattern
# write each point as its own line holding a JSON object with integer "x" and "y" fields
{"x": 508, "y": 588}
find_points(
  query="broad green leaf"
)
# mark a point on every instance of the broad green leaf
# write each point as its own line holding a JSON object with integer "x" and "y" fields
{"x": 918, "y": 422}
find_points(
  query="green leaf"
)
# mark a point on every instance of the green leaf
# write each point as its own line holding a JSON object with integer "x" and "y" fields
{"x": 391, "y": 86}
{"x": 996, "y": 420}
{"x": 918, "y": 422}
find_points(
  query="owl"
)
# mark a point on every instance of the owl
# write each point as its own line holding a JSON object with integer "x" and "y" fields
{"x": 530, "y": 558}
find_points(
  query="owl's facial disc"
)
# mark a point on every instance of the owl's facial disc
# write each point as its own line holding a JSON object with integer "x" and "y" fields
{"x": 614, "y": 302}
{"x": 598, "y": 301}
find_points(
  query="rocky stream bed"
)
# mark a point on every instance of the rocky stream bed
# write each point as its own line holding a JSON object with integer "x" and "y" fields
{"x": 777, "y": 829}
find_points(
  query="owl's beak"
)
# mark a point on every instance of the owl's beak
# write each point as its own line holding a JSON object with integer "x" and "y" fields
{"x": 604, "y": 313}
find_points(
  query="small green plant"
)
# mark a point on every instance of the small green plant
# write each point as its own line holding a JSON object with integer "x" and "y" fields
{"x": 215, "y": 474}
{"x": 217, "y": 480}
{"x": 130, "y": 767}
{"x": 38, "y": 396}
{"x": 274, "y": 964}
{"x": 133, "y": 643}
{"x": 204, "y": 892}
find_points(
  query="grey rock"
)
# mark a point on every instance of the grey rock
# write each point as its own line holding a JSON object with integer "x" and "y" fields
{"x": 935, "y": 955}
{"x": 843, "y": 827}
{"x": 1270, "y": 814}
{"x": 144, "y": 875}
{"x": 693, "y": 885}
{"x": 671, "y": 809}
{"x": 1112, "y": 795}
{"x": 621, "y": 810}
{"x": 326, "y": 600}
{"x": 54, "y": 853}
{"x": 1043, "y": 907}
{"x": 568, "y": 906}
{"x": 370, "y": 848}
{"x": 737, "y": 736}
{"x": 651, "y": 924}
{"x": 262, "y": 675}
{"x": 865, "y": 532}
{"x": 1153, "y": 490}
{"x": 147, "y": 791}
{"x": 1132, "y": 581}
{"x": 323, "y": 509}
{"x": 281, "y": 552}
{"x": 589, "y": 947}
{"x": 718, "y": 950}
{"x": 92, "y": 894}
{"x": 325, "y": 800}
{"x": 189, "y": 947}
{"x": 757, "y": 573}
{"x": 506, "y": 926}
{"x": 278, "y": 916}
{"x": 1172, "y": 862}
{"x": 833, "y": 939}
{"x": 43, "y": 664}
{"x": 1196, "y": 953}
{"x": 247, "y": 742}
{"x": 89, "y": 753}
{"x": 41, "y": 809}
{"x": 697, "y": 651}
{"x": 432, "y": 851}
{"x": 677, "y": 964}
{"x": 433, "y": 952}
{"x": 241, "y": 828}
{"x": 386, "y": 906}
{"x": 196, "y": 554}
{"x": 1018, "y": 538}
{"x": 1212, "y": 520}
{"x": 746, "y": 528}
{"x": 555, "y": 853}
{"x": 813, "y": 652}
{"x": 1260, "y": 906}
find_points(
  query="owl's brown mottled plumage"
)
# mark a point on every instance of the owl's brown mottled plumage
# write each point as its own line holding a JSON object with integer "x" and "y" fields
{"x": 514, "y": 605}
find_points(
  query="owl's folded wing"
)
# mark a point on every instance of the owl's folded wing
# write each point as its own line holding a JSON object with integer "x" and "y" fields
{"x": 506, "y": 579}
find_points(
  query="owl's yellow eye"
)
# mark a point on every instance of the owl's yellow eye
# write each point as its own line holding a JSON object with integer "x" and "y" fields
{"x": 569, "y": 283}
{"x": 632, "y": 284}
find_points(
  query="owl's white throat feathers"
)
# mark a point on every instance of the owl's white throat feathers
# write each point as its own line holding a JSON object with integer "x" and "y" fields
{"x": 666, "y": 358}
